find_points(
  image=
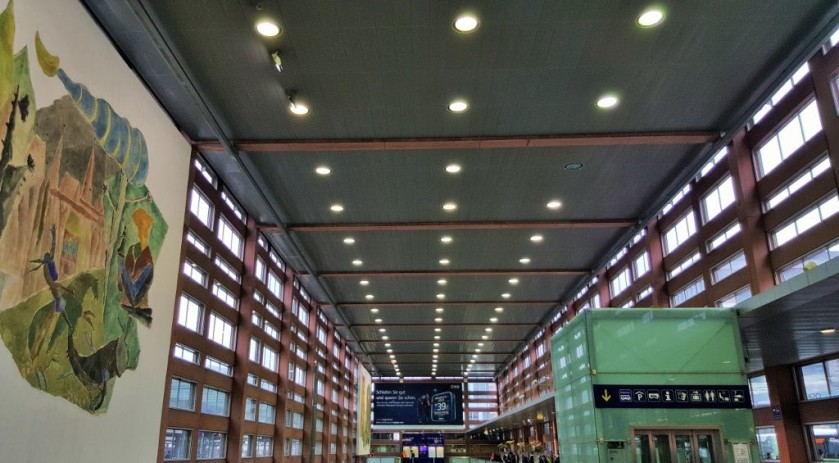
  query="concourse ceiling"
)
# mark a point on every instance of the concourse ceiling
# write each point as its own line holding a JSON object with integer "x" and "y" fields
{"x": 378, "y": 77}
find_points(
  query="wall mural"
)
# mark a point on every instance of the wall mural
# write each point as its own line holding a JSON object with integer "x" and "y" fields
{"x": 79, "y": 232}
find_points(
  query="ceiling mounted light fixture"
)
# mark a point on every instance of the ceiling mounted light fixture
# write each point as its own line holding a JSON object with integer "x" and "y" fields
{"x": 374, "y": 310}
{"x": 650, "y": 17}
{"x": 295, "y": 106}
{"x": 449, "y": 206}
{"x": 446, "y": 239}
{"x": 828, "y": 331}
{"x": 554, "y": 204}
{"x": 453, "y": 168}
{"x": 277, "y": 59}
{"x": 524, "y": 260}
{"x": 466, "y": 23}
{"x": 499, "y": 309}
{"x": 268, "y": 28}
{"x": 574, "y": 166}
{"x": 336, "y": 208}
{"x": 323, "y": 170}
{"x": 445, "y": 261}
{"x": 357, "y": 262}
{"x": 607, "y": 101}
{"x": 513, "y": 281}
{"x": 537, "y": 238}
{"x": 458, "y": 106}
{"x": 439, "y": 310}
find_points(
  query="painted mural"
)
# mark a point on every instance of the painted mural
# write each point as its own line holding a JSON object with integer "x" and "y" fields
{"x": 79, "y": 231}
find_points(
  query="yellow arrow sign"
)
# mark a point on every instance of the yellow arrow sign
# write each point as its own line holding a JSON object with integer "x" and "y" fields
{"x": 606, "y": 395}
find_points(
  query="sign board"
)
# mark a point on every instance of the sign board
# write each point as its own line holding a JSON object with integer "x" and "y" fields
{"x": 671, "y": 396}
{"x": 418, "y": 405}
{"x": 422, "y": 448}
{"x": 741, "y": 453}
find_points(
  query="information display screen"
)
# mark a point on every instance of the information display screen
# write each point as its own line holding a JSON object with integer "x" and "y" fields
{"x": 421, "y": 405}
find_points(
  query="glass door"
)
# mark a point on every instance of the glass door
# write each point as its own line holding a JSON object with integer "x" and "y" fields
{"x": 676, "y": 446}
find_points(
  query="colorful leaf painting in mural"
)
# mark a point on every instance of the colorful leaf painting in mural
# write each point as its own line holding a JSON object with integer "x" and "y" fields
{"x": 79, "y": 232}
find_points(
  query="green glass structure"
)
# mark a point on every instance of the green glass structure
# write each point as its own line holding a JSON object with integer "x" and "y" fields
{"x": 603, "y": 357}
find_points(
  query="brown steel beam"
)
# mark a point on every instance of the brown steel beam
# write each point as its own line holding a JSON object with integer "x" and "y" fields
{"x": 374, "y": 354}
{"x": 441, "y": 363}
{"x": 458, "y": 341}
{"x": 456, "y": 273}
{"x": 437, "y": 325}
{"x": 439, "y": 303}
{"x": 434, "y": 226}
{"x": 455, "y": 143}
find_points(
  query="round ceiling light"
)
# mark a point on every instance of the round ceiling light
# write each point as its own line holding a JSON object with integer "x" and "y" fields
{"x": 445, "y": 261}
{"x": 607, "y": 102}
{"x": 537, "y": 238}
{"x": 458, "y": 106}
{"x": 364, "y": 282}
{"x": 446, "y": 239}
{"x": 323, "y": 170}
{"x": 449, "y": 206}
{"x": 524, "y": 260}
{"x": 349, "y": 240}
{"x": 466, "y": 23}
{"x": 574, "y": 166}
{"x": 651, "y": 17}
{"x": 336, "y": 208}
{"x": 439, "y": 310}
{"x": 357, "y": 262}
{"x": 453, "y": 168}
{"x": 268, "y": 28}
{"x": 299, "y": 109}
{"x": 554, "y": 204}
{"x": 499, "y": 309}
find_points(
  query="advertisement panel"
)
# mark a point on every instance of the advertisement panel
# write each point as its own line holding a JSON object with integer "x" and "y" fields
{"x": 362, "y": 407}
{"x": 422, "y": 448}
{"x": 418, "y": 405}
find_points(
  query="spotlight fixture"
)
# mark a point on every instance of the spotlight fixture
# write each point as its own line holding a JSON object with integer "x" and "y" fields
{"x": 466, "y": 23}
{"x": 458, "y": 106}
{"x": 607, "y": 102}
{"x": 554, "y": 204}
{"x": 278, "y": 60}
{"x": 651, "y": 17}
{"x": 268, "y": 28}
{"x": 295, "y": 106}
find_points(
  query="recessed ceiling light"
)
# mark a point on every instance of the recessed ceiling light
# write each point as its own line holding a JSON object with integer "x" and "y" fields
{"x": 268, "y": 28}
{"x": 480, "y": 344}
{"x": 382, "y": 330}
{"x": 374, "y": 310}
{"x": 554, "y": 204}
{"x": 607, "y": 102}
{"x": 574, "y": 166}
{"x": 299, "y": 109}
{"x": 828, "y": 331}
{"x": 445, "y": 261}
{"x": 364, "y": 282}
{"x": 435, "y": 350}
{"x": 499, "y": 309}
{"x": 441, "y": 296}
{"x": 506, "y": 295}
{"x": 436, "y": 344}
{"x": 524, "y": 260}
{"x": 474, "y": 356}
{"x": 357, "y": 262}
{"x": 436, "y": 338}
{"x": 446, "y": 239}
{"x": 493, "y": 320}
{"x": 488, "y": 330}
{"x": 369, "y": 297}
{"x": 458, "y": 106}
{"x": 336, "y": 208}
{"x": 437, "y": 330}
{"x": 378, "y": 320}
{"x": 472, "y": 361}
{"x": 392, "y": 356}
{"x": 478, "y": 350}
{"x": 484, "y": 337}
{"x": 438, "y": 320}
{"x": 442, "y": 282}
{"x": 651, "y": 17}
{"x": 453, "y": 168}
{"x": 513, "y": 281}
{"x": 433, "y": 360}
{"x": 387, "y": 344}
{"x": 449, "y": 206}
{"x": 537, "y": 238}
{"x": 466, "y": 23}
{"x": 349, "y": 240}
{"x": 323, "y": 170}
{"x": 385, "y": 338}
{"x": 439, "y": 310}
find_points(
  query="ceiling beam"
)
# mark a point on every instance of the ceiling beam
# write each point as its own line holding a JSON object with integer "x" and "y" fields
{"x": 458, "y": 341}
{"x": 436, "y": 325}
{"x": 456, "y": 143}
{"x": 436, "y": 226}
{"x": 425, "y": 354}
{"x": 456, "y": 273}
{"x": 381, "y": 364}
{"x": 439, "y": 303}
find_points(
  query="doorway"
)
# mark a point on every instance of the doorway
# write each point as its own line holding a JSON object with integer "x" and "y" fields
{"x": 676, "y": 446}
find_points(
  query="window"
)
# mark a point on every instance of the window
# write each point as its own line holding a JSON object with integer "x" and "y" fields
{"x": 621, "y": 281}
{"x": 204, "y": 171}
{"x": 185, "y": 353}
{"x": 272, "y": 310}
{"x": 229, "y": 237}
{"x": 293, "y": 447}
{"x": 247, "y": 445}
{"x": 221, "y": 331}
{"x": 264, "y": 446}
{"x": 176, "y": 444}
{"x": 215, "y": 402}
{"x": 233, "y": 205}
{"x": 805, "y": 221}
{"x": 211, "y": 444}
{"x": 271, "y": 331}
{"x": 788, "y": 139}
{"x": 182, "y": 394}
{"x": 683, "y": 265}
{"x": 333, "y": 448}
{"x": 768, "y": 443}
{"x": 267, "y": 413}
{"x": 721, "y": 154}
{"x": 297, "y": 374}
{"x": 728, "y": 267}
{"x": 688, "y": 291}
{"x": 723, "y": 236}
{"x": 195, "y": 273}
{"x": 301, "y": 311}
{"x": 318, "y": 425}
{"x": 293, "y": 419}
{"x": 811, "y": 260}
{"x": 825, "y": 441}
{"x": 190, "y": 313}
{"x": 201, "y": 208}
{"x": 270, "y": 359}
{"x": 250, "y": 409}
{"x": 759, "y": 390}
{"x": 198, "y": 243}
{"x": 253, "y": 380}
{"x": 641, "y": 264}
{"x": 259, "y": 270}
{"x": 718, "y": 199}
{"x": 680, "y": 232}
{"x": 675, "y": 199}
{"x": 225, "y": 295}
{"x": 218, "y": 366}
{"x": 644, "y": 293}
{"x": 228, "y": 269}
{"x": 799, "y": 74}
{"x": 820, "y": 380}
{"x": 267, "y": 385}
{"x": 321, "y": 334}
{"x": 735, "y": 298}
{"x": 318, "y": 447}
{"x": 254, "y": 350}
{"x": 796, "y": 184}
{"x": 275, "y": 285}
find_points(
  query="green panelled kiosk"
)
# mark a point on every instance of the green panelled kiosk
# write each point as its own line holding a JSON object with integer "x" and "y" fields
{"x": 652, "y": 386}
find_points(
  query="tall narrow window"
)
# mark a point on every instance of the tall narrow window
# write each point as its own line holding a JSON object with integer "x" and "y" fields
{"x": 683, "y": 229}
{"x": 201, "y": 208}
{"x": 718, "y": 199}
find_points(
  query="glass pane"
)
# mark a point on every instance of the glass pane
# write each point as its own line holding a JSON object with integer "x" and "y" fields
{"x": 815, "y": 382}
{"x": 768, "y": 443}
{"x": 684, "y": 449}
{"x": 662, "y": 448}
{"x": 642, "y": 448}
{"x": 705, "y": 447}
{"x": 825, "y": 441}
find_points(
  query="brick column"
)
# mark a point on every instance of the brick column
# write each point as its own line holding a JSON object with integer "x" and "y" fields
{"x": 792, "y": 446}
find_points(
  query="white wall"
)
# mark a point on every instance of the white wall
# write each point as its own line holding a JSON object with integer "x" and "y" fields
{"x": 34, "y": 425}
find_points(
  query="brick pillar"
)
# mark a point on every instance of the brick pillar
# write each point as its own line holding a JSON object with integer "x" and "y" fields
{"x": 792, "y": 446}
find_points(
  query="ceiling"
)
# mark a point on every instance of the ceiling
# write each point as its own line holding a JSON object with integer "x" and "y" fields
{"x": 378, "y": 77}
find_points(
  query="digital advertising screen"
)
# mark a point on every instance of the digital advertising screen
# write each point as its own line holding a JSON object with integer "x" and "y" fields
{"x": 418, "y": 405}
{"x": 362, "y": 438}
